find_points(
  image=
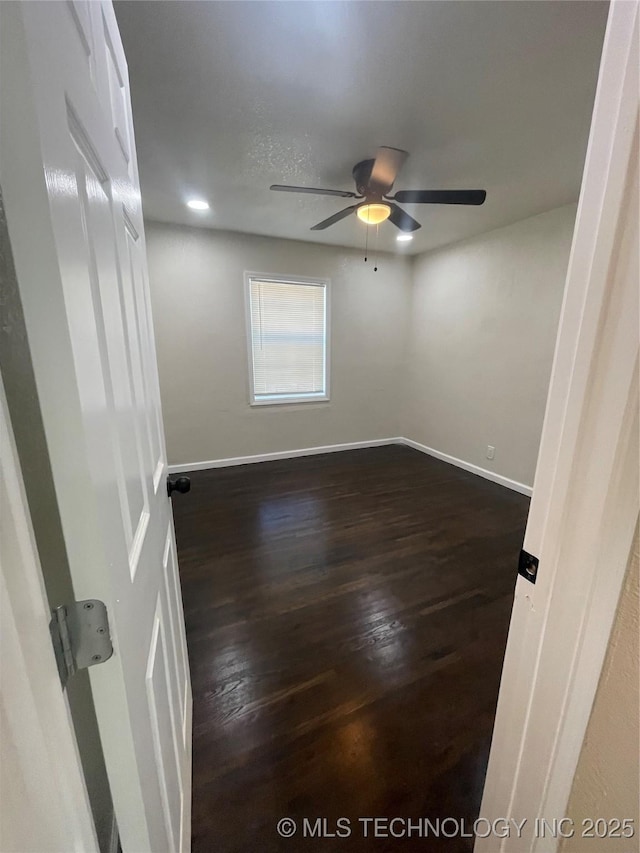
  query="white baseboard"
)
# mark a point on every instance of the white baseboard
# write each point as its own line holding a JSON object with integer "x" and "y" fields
{"x": 353, "y": 445}
{"x": 283, "y": 454}
{"x": 467, "y": 466}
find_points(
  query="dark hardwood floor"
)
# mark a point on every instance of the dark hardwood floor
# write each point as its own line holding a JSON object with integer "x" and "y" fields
{"x": 346, "y": 621}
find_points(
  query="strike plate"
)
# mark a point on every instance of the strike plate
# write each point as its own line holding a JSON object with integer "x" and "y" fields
{"x": 528, "y": 566}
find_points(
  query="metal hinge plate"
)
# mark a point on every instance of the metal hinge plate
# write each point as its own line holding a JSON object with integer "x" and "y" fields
{"x": 528, "y": 566}
{"x": 80, "y": 636}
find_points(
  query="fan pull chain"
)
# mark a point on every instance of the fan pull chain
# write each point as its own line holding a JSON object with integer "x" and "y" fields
{"x": 375, "y": 253}
{"x": 366, "y": 242}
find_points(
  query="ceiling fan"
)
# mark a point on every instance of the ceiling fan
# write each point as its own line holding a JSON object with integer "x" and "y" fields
{"x": 374, "y": 181}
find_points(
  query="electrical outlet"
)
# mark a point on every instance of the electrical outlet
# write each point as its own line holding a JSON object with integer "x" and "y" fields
{"x": 491, "y": 452}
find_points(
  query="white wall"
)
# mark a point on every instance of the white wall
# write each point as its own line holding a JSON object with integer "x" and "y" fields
{"x": 197, "y": 293}
{"x": 482, "y": 329}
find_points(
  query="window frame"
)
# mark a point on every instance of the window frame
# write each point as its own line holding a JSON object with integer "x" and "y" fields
{"x": 289, "y": 399}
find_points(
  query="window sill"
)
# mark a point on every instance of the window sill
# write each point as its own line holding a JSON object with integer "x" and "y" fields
{"x": 293, "y": 400}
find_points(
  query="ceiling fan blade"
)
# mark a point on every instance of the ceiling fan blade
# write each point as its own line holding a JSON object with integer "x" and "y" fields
{"x": 441, "y": 196}
{"x": 281, "y": 188}
{"x": 387, "y": 164}
{"x": 402, "y": 220}
{"x": 335, "y": 218}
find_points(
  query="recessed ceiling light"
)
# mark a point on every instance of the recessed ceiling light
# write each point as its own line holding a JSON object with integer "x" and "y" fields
{"x": 198, "y": 204}
{"x": 404, "y": 238}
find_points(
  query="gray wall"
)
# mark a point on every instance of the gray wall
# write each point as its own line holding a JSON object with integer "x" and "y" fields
{"x": 452, "y": 349}
{"x": 197, "y": 292}
{"x": 482, "y": 328}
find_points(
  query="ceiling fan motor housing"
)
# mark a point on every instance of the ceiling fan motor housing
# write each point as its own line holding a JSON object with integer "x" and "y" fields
{"x": 361, "y": 175}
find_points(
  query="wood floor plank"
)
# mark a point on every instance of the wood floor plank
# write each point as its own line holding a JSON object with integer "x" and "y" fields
{"x": 346, "y": 620}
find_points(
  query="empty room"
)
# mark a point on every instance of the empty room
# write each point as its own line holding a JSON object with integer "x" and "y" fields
{"x": 319, "y": 354}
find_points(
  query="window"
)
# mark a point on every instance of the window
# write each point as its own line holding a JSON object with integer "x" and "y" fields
{"x": 287, "y": 330}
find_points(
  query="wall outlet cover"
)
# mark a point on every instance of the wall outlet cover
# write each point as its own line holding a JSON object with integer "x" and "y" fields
{"x": 491, "y": 452}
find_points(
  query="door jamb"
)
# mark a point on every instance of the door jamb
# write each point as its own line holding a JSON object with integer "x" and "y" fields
{"x": 43, "y": 738}
{"x": 585, "y": 499}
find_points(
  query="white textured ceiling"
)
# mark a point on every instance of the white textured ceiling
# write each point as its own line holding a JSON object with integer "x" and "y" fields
{"x": 230, "y": 97}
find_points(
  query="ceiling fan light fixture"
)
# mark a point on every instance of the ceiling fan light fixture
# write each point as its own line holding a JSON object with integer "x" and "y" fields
{"x": 373, "y": 214}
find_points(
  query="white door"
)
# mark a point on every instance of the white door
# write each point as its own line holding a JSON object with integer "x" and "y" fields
{"x": 70, "y": 182}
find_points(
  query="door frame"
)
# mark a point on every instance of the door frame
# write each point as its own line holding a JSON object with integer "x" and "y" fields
{"x": 37, "y": 729}
{"x": 585, "y": 501}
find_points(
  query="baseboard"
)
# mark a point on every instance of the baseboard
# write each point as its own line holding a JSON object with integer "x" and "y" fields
{"x": 353, "y": 445}
{"x": 467, "y": 466}
{"x": 283, "y": 454}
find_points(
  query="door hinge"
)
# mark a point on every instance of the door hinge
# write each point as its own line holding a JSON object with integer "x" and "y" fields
{"x": 80, "y": 636}
{"x": 528, "y": 566}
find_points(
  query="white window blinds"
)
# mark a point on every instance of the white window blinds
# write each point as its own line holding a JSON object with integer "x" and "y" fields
{"x": 287, "y": 340}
